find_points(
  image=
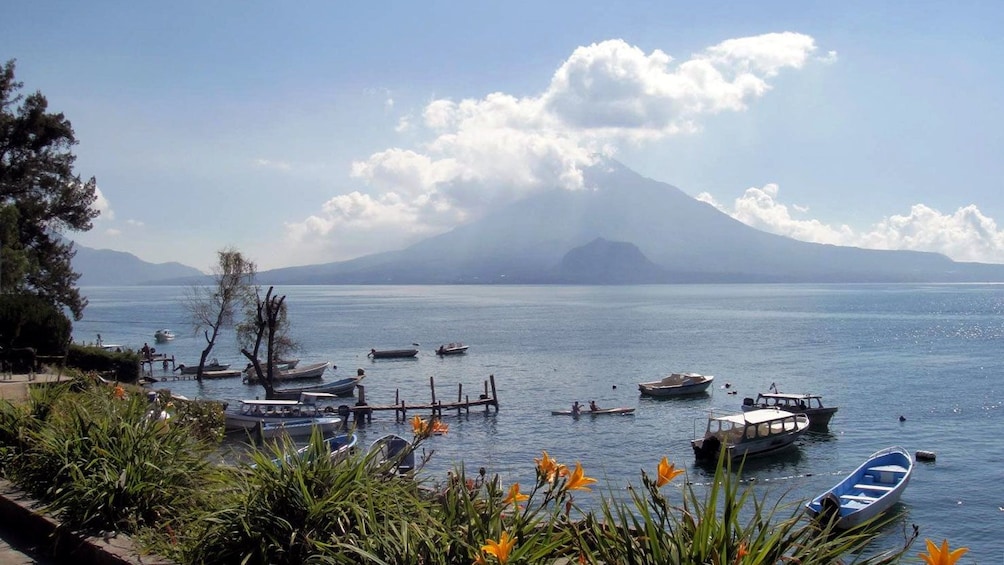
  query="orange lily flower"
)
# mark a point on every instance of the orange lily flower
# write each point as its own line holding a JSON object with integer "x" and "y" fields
{"x": 501, "y": 549}
{"x": 439, "y": 427}
{"x": 515, "y": 497}
{"x": 941, "y": 556}
{"x": 549, "y": 467}
{"x": 418, "y": 425}
{"x": 741, "y": 552}
{"x": 666, "y": 472}
{"x": 480, "y": 560}
{"x": 578, "y": 480}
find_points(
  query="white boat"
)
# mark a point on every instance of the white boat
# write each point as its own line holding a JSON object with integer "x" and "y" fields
{"x": 213, "y": 365}
{"x": 451, "y": 349}
{"x": 340, "y": 387}
{"x": 871, "y": 489}
{"x": 252, "y": 413}
{"x": 311, "y": 371}
{"x": 809, "y": 404}
{"x": 163, "y": 335}
{"x": 756, "y": 432}
{"x": 677, "y": 384}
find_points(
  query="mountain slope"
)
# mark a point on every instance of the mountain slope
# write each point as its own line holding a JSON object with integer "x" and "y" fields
{"x": 683, "y": 238}
{"x": 104, "y": 267}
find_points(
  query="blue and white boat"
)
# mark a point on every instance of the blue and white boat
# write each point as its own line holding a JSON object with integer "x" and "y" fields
{"x": 392, "y": 452}
{"x": 874, "y": 487}
{"x": 298, "y": 427}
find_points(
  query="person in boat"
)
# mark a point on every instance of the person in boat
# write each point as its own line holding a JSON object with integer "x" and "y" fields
{"x": 442, "y": 349}
{"x": 592, "y": 406}
{"x": 576, "y": 408}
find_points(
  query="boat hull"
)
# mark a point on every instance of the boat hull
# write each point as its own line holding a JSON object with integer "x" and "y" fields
{"x": 312, "y": 371}
{"x": 677, "y": 385}
{"x": 392, "y": 353}
{"x": 762, "y": 433}
{"x": 343, "y": 387}
{"x": 870, "y": 490}
{"x": 299, "y": 427}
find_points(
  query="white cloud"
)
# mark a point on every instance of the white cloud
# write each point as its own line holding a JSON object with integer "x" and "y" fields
{"x": 965, "y": 235}
{"x": 135, "y": 223}
{"x": 112, "y": 232}
{"x": 102, "y": 205}
{"x": 485, "y": 152}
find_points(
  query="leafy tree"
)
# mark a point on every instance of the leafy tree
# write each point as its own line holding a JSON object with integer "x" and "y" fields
{"x": 211, "y": 307}
{"x": 267, "y": 322}
{"x": 40, "y": 198}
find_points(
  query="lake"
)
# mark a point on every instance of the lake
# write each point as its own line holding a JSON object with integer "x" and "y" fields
{"x": 930, "y": 353}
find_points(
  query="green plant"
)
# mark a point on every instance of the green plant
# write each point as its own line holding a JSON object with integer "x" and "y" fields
{"x": 102, "y": 461}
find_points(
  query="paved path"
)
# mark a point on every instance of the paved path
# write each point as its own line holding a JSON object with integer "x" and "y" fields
{"x": 15, "y": 387}
{"x": 15, "y": 555}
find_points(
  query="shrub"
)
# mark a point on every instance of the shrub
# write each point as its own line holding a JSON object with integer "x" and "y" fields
{"x": 31, "y": 321}
{"x": 122, "y": 366}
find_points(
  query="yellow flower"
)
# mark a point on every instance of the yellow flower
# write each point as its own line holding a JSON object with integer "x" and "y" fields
{"x": 501, "y": 549}
{"x": 418, "y": 425}
{"x": 515, "y": 497}
{"x": 666, "y": 472}
{"x": 578, "y": 480}
{"x": 942, "y": 556}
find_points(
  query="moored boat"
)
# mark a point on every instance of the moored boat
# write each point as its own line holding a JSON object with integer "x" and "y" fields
{"x": 751, "y": 433}
{"x": 311, "y": 371}
{"x": 451, "y": 349}
{"x": 677, "y": 384}
{"x": 251, "y": 413}
{"x": 809, "y": 404}
{"x": 214, "y": 365}
{"x": 392, "y": 353}
{"x": 871, "y": 489}
{"x": 340, "y": 387}
{"x": 298, "y": 427}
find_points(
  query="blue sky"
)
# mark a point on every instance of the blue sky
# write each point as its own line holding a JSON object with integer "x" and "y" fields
{"x": 312, "y": 132}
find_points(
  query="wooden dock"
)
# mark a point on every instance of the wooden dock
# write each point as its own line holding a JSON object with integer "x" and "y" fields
{"x": 363, "y": 412}
{"x": 146, "y": 363}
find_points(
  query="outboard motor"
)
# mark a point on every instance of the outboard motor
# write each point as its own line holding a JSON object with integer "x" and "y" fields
{"x": 829, "y": 508}
{"x": 747, "y": 401}
{"x": 709, "y": 448}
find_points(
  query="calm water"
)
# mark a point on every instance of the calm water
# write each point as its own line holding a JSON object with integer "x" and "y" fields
{"x": 932, "y": 354}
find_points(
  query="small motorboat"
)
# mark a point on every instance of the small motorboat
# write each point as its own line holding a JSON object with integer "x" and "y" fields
{"x": 451, "y": 349}
{"x": 757, "y": 432}
{"x": 311, "y": 371}
{"x": 392, "y": 353}
{"x": 341, "y": 387}
{"x": 677, "y": 384}
{"x": 163, "y": 335}
{"x": 809, "y": 404}
{"x": 871, "y": 489}
{"x": 213, "y": 365}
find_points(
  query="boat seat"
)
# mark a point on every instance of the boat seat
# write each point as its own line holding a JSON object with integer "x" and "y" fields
{"x": 858, "y": 497}
{"x": 880, "y": 488}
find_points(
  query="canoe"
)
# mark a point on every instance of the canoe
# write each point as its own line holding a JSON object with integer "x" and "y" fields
{"x": 871, "y": 489}
{"x": 600, "y": 412}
